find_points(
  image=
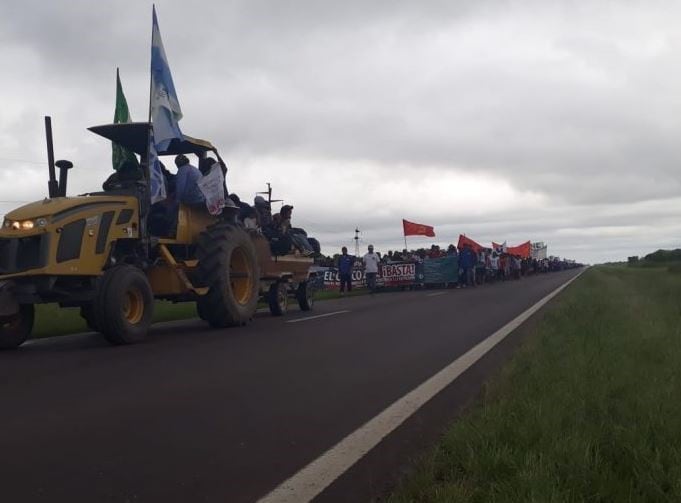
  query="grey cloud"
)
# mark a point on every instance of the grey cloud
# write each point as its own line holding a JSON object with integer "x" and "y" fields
{"x": 578, "y": 103}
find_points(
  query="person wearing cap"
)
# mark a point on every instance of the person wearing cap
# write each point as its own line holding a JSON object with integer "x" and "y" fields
{"x": 245, "y": 209}
{"x": 187, "y": 188}
{"x": 371, "y": 261}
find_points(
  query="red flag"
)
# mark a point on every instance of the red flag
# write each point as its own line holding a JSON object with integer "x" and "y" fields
{"x": 412, "y": 229}
{"x": 524, "y": 250}
{"x": 463, "y": 240}
{"x": 499, "y": 248}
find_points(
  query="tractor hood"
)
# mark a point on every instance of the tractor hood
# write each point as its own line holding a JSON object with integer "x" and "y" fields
{"x": 51, "y": 214}
{"x": 65, "y": 236}
{"x": 61, "y": 207}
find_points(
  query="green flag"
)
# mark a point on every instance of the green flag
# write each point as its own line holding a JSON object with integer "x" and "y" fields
{"x": 121, "y": 156}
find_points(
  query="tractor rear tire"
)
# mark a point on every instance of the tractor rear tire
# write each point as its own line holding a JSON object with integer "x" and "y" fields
{"x": 277, "y": 298}
{"x": 14, "y": 330}
{"x": 228, "y": 266}
{"x": 305, "y": 296}
{"x": 124, "y": 305}
{"x": 201, "y": 311}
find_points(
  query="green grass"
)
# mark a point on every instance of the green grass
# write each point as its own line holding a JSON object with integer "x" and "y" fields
{"x": 52, "y": 321}
{"x": 645, "y": 264}
{"x": 589, "y": 409}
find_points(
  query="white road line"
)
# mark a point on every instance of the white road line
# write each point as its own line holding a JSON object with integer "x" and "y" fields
{"x": 436, "y": 294}
{"x": 320, "y": 473}
{"x": 318, "y": 316}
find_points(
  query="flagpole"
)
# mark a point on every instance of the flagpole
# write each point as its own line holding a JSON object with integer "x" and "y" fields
{"x": 151, "y": 90}
{"x": 405, "y": 242}
{"x": 153, "y": 10}
{"x": 145, "y": 205}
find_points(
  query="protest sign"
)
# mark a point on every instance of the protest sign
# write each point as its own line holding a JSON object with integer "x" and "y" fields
{"x": 212, "y": 187}
{"x": 398, "y": 274}
{"x": 441, "y": 270}
{"x": 332, "y": 278}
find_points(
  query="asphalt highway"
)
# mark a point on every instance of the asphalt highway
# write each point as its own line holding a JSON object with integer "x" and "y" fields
{"x": 197, "y": 415}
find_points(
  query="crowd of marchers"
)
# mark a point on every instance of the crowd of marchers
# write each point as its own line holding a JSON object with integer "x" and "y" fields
{"x": 475, "y": 268}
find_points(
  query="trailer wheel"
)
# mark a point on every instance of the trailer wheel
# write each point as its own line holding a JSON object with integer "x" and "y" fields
{"x": 14, "y": 330}
{"x": 277, "y": 298}
{"x": 305, "y": 296}
{"x": 228, "y": 265}
{"x": 124, "y": 305}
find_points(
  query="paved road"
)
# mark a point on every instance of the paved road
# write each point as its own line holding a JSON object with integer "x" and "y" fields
{"x": 225, "y": 416}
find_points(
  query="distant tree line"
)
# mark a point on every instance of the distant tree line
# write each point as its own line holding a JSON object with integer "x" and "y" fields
{"x": 656, "y": 259}
{"x": 664, "y": 256}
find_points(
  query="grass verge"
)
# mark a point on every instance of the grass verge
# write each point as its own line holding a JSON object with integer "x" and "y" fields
{"x": 589, "y": 408}
{"x": 52, "y": 321}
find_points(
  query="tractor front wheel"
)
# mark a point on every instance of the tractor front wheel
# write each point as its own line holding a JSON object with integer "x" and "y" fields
{"x": 15, "y": 329}
{"x": 124, "y": 306}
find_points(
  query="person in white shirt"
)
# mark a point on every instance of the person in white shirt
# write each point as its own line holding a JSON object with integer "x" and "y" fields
{"x": 251, "y": 219}
{"x": 371, "y": 261}
{"x": 494, "y": 265}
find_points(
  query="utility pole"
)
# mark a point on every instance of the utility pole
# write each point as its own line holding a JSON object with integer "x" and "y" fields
{"x": 268, "y": 193}
{"x": 356, "y": 242}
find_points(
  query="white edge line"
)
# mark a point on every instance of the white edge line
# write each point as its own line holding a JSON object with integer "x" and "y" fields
{"x": 317, "y": 316}
{"x": 320, "y": 473}
{"x": 436, "y": 294}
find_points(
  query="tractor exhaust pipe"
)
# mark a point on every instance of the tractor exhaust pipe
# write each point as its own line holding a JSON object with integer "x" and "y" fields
{"x": 64, "y": 167}
{"x": 52, "y": 185}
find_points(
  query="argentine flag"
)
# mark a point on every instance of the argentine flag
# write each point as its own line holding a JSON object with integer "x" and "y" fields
{"x": 165, "y": 108}
{"x": 158, "y": 190}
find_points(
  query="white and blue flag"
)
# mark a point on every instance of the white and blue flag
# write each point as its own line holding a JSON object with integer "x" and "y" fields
{"x": 157, "y": 180}
{"x": 165, "y": 107}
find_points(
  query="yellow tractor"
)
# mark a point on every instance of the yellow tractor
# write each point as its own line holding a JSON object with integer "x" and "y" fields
{"x": 96, "y": 252}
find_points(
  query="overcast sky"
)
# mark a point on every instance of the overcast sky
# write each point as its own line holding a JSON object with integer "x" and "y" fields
{"x": 504, "y": 120}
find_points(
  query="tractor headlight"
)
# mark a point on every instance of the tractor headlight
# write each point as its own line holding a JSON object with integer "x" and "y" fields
{"x": 24, "y": 225}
